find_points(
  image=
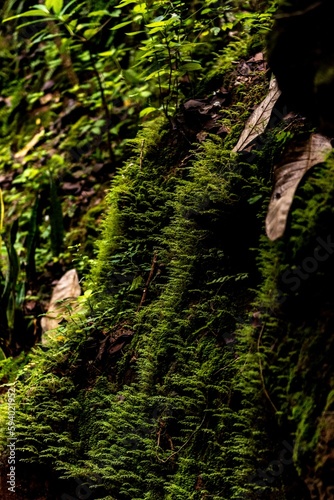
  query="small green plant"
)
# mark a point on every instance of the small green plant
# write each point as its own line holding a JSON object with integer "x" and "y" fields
{"x": 172, "y": 41}
{"x": 11, "y": 290}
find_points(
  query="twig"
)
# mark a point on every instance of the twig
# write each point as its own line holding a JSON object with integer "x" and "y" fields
{"x": 184, "y": 444}
{"x": 261, "y": 370}
{"x": 148, "y": 281}
{"x": 141, "y": 153}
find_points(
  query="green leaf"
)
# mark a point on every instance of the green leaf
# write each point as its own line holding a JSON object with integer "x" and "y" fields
{"x": 69, "y": 5}
{"x": 131, "y": 76}
{"x": 98, "y": 13}
{"x": 88, "y": 34}
{"x": 30, "y": 23}
{"x": 137, "y": 283}
{"x": 115, "y": 13}
{"x": 215, "y": 30}
{"x": 49, "y": 4}
{"x": 32, "y": 13}
{"x": 120, "y": 25}
{"x": 227, "y": 26}
{"x": 191, "y": 66}
{"x": 124, "y": 3}
{"x": 133, "y": 33}
{"x": 157, "y": 19}
{"x": 107, "y": 53}
{"x": 55, "y": 5}
{"x": 157, "y": 73}
{"x": 254, "y": 199}
{"x": 155, "y": 30}
{"x": 150, "y": 53}
{"x": 147, "y": 111}
{"x": 41, "y": 7}
{"x": 157, "y": 24}
{"x": 77, "y": 7}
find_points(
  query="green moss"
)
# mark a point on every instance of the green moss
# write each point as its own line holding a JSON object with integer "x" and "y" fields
{"x": 296, "y": 342}
{"x": 219, "y": 367}
{"x": 181, "y": 425}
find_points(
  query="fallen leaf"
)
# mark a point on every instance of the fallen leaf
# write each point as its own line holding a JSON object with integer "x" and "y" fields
{"x": 32, "y": 143}
{"x": 118, "y": 344}
{"x": 47, "y": 85}
{"x": 72, "y": 186}
{"x": 201, "y": 136}
{"x": 297, "y": 160}
{"x": 46, "y": 98}
{"x": 259, "y": 119}
{"x": 112, "y": 344}
{"x": 257, "y": 58}
{"x": 63, "y": 298}
{"x": 243, "y": 69}
{"x": 194, "y": 103}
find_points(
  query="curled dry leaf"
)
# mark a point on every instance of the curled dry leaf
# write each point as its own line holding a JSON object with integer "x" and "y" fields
{"x": 297, "y": 160}
{"x": 63, "y": 296}
{"x": 259, "y": 119}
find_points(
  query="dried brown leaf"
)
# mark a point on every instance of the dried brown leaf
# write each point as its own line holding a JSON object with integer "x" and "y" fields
{"x": 259, "y": 119}
{"x": 296, "y": 162}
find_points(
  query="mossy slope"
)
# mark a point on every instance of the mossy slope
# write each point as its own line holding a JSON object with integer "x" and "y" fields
{"x": 196, "y": 364}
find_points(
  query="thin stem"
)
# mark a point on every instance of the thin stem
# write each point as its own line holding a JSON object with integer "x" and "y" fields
{"x": 104, "y": 104}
